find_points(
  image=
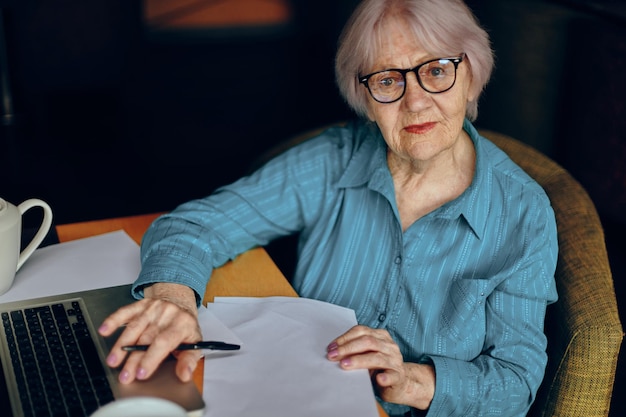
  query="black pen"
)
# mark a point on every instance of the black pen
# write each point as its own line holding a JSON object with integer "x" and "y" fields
{"x": 212, "y": 345}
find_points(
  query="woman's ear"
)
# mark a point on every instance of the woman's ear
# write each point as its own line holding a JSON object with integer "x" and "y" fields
{"x": 472, "y": 91}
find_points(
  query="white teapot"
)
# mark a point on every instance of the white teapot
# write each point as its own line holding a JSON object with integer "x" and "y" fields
{"x": 11, "y": 259}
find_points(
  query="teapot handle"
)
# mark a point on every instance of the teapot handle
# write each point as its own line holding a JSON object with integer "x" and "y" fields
{"x": 43, "y": 228}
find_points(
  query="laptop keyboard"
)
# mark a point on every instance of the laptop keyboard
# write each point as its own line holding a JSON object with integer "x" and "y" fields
{"x": 57, "y": 367}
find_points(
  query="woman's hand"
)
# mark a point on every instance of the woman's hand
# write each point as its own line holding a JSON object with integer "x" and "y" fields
{"x": 397, "y": 381}
{"x": 166, "y": 317}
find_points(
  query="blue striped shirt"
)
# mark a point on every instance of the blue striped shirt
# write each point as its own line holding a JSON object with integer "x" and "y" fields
{"x": 464, "y": 288}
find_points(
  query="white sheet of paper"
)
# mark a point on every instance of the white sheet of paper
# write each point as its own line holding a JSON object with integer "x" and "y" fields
{"x": 214, "y": 329}
{"x": 101, "y": 261}
{"x": 282, "y": 370}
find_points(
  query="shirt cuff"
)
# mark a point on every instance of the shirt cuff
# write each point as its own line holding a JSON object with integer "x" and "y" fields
{"x": 156, "y": 270}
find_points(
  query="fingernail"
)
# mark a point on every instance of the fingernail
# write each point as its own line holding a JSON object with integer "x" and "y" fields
{"x": 189, "y": 374}
{"x": 332, "y": 346}
{"x": 124, "y": 376}
{"x": 346, "y": 362}
{"x": 103, "y": 328}
{"x": 141, "y": 373}
{"x": 111, "y": 359}
{"x": 333, "y": 354}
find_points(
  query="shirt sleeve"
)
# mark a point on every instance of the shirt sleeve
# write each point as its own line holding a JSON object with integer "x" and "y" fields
{"x": 277, "y": 200}
{"x": 504, "y": 378}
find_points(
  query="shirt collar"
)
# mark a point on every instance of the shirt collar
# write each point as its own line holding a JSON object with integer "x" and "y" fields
{"x": 369, "y": 160}
{"x": 368, "y": 165}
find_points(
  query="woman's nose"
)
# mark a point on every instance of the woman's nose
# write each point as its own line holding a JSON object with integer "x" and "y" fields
{"x": 415, "y": 97}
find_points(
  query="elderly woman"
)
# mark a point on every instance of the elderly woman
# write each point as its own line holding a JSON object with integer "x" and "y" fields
{"x": 444, "y": 247}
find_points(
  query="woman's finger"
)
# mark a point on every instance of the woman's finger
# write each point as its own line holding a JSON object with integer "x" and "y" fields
{"x": 165, "y": 343}
{"x": 121, "y": 317}
{"x": 187, "y": 363}
{"x": 360, "y": 340}
{"x": 161, "y": 324}
{"x": 129, "y": 373}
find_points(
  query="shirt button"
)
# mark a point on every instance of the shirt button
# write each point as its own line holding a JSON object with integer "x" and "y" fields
{"x": 382, "y": 317}
{"x": 398, "y": 260}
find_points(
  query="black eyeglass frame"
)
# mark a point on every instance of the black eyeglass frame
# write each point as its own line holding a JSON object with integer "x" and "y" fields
{"x": 455, "y": 60}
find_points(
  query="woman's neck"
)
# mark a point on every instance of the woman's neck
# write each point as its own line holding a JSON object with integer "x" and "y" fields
{"x": 423, "y": 186}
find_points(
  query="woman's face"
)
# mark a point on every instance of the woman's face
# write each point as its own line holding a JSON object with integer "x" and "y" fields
{"x": 421, "y": 125}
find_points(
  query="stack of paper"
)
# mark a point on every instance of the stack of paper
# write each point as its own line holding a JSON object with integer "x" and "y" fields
{"x": 96, "y": 262}
{"x": 281, "y": 369}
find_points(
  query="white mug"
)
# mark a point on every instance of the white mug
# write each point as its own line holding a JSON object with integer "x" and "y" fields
{"x": 11, "y": 259}
{"x": 141, "y": 407}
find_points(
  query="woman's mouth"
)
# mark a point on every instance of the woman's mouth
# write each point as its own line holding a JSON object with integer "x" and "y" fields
{"x": 420, "y": 129}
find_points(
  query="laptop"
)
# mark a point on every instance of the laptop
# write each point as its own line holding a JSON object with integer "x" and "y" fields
{"x": 53, "y": 360}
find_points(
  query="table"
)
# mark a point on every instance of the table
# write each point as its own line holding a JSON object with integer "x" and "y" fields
{"x": 239, "y": 277}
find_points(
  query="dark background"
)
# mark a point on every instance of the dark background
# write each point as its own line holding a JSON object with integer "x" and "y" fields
{"x": 111, "y": 118}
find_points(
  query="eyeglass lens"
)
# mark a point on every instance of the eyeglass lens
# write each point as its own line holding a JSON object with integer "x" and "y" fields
{"x": 435, "y": 77}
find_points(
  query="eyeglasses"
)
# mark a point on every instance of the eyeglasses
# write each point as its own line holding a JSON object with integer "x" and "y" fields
{"x": 434, "y": 76}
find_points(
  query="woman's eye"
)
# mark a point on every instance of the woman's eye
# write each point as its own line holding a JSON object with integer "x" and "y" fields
{"x": 387, "y": 82}
{"x": 437, "y": 72}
